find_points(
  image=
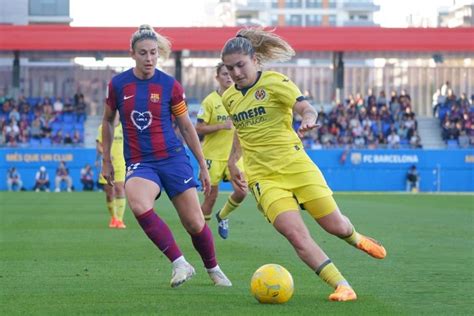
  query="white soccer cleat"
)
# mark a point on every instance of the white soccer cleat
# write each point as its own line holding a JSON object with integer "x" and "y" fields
{"x": 181, "y": 273}
{"x": 219, "y": 278}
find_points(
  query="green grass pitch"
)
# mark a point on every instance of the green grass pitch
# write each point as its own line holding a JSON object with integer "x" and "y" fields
{"x": 57, "y": 257}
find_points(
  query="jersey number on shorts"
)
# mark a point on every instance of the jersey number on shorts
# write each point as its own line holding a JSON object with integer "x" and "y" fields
{"x": 209, "y": 163}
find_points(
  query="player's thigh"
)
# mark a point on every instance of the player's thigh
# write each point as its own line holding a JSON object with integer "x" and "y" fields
{"x": 291, "y": 225}
{"x": 272, "y": 198}
{"x": 189, "y": 210}
{"x": 142, "y": 187}
{"x": 141, "y": 194}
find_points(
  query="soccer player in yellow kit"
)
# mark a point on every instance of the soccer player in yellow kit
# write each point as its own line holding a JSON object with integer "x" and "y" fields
{"x": 280, "y": 174}
{"x": 115, "y": 195}
{"x": 214, "y": 124}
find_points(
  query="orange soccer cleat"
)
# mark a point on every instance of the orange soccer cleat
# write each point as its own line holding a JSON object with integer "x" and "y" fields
{"x": 372, "y": 247}
{"x": 113, "y": 223}
{"x": 120, "y": 224}
{"x": 343, "y": 293}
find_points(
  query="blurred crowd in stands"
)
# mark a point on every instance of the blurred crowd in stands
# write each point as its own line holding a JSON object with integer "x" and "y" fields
{"x": 456, "y": 116}
{"x": 42, "y": 121}
{"x": 371, "y": 121}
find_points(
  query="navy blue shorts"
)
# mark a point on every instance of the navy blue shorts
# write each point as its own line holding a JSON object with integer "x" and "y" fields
{"x": 174, "y": 175}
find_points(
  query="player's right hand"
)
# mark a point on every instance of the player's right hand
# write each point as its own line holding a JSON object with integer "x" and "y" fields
{"x": 108, "y": 172}
{"x": 205, "y": 181}
{"x": 237, "y": 177}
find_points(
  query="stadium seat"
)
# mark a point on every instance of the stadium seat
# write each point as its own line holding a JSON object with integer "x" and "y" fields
{"x": 67, "y": 128}
{"x": 79, "y": 127}
{"x": 55, "y": 127}
{"x": 452, "y": 144}
{"x": 34, "y": 142}
{"x": 46, "y": 142}
{"x": 68, "y": 118}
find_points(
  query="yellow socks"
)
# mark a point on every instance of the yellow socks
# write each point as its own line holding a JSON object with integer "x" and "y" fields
{"x": 120, "y": 204}
{"x": 111, "y": 208}
{"x": 353, "y": 239}
{"x": 330, "y": 274}
{"x": 228, "y": 207}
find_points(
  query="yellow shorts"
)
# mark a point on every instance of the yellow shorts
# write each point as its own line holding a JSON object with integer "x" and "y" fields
{"x": 288, "y": 189}
{"x": 218, "y": 170}
{"x": 119, "y": 174}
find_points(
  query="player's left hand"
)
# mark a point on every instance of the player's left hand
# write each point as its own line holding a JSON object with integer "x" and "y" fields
{"x": 306, "y": 126}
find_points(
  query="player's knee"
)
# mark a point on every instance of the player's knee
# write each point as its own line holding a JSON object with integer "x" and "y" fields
{"x": 194, "y": 227}
{"x": 138, "y": 207}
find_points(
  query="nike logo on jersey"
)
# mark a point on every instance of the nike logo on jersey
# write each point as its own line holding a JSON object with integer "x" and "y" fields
{"x": 187, "y": 180}
{"x": 286, "y": 80}
{"x": 126, "y": 97}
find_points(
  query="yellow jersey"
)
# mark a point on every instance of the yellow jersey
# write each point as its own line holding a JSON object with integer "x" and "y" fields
{"x": 263, "y": 117}
{"x": 217, "y": 145}
{"x": 117, "y": 145}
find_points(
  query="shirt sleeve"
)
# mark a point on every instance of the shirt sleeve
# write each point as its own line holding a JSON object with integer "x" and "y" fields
{"x": 178, "y": 100}
{"x": 286, "y": 91}
{"x": 205, "y": 111}
{"x": 111, "y": 97}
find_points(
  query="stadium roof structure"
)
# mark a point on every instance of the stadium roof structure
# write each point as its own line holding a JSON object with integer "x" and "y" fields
{"x": 68, "y": 41}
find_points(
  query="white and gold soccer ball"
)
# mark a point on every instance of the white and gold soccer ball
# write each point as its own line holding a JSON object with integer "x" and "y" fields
{"x": 272, "y": 284}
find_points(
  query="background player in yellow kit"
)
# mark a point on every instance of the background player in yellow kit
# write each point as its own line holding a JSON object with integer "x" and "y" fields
{"x": 280, "y": 174}
{"x": 216, "y": 127}
{"x": 114, "y": 195}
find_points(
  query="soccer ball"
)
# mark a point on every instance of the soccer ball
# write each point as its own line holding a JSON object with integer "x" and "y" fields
{"x": 272, "y": 284}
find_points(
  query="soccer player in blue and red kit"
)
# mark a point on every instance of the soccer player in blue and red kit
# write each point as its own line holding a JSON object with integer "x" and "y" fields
{"x": 147, "y": 99}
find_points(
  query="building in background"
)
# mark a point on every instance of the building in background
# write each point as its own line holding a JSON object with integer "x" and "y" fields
{"x": 456, "y": 16}
{"x": 23, "y": 12}
{"x": 304, "y": 12}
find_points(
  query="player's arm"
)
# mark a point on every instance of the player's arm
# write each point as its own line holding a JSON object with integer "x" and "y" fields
{"x": 191, "y": 138}
{"x": 309, "y": 116}
{"x": 202, "y": 128}
{"x": 236, "y": 174}
{"x": 107, "y": 138}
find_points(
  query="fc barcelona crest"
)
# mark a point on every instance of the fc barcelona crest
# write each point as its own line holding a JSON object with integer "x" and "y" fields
{"x": 154, "y": 97}
{"x": 260, "y": 94}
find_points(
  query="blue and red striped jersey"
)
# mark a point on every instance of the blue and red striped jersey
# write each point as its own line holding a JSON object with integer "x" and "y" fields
{"x": 146, "y": 111}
